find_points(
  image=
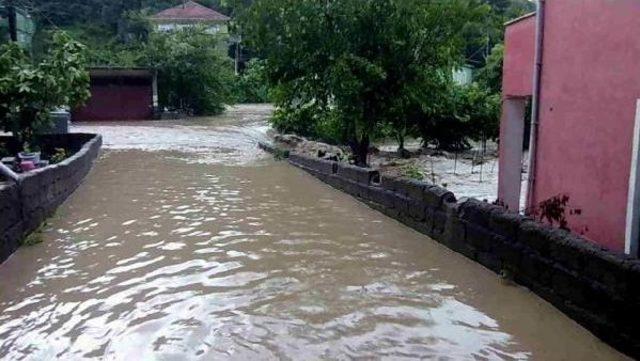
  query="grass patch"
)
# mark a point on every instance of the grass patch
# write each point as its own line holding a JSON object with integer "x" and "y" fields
{"x": 35, "y": 237}
{"x": 413, "y": 172}
{"x": 280, "y": 154}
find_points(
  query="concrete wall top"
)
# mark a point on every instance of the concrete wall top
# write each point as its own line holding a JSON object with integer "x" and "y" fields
{"x": 25, "y": 204}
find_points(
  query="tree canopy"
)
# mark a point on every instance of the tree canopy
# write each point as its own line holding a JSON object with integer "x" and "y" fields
{"x": 360, "y": 65}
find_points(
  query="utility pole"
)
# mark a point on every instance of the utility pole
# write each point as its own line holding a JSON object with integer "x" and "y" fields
{"x": 13, "y": 20}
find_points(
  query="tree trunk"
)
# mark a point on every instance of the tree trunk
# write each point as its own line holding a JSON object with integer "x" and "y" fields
{"x": 360, "y": 151}
{"x": 13, "y": 20}
{"x": 402, "y": 152}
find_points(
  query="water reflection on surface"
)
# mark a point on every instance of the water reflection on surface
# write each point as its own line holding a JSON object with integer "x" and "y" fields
{"x": 155, "y": 257}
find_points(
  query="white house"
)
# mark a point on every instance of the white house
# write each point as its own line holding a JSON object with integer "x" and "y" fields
{"x": 188, "y": 14}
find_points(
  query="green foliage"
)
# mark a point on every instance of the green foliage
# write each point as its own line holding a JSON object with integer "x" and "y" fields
{"x": 280, "y": 154}
{"x": 360, "y": 63}
{"x": 482, "y": 109}
{"x": 252, "y": 85}
{"x": 462, "y": 113}
{"x": 35, "y": 237}
{"x": 485, "y": 32}
{"x": 413, "y": 172}
{"x": 135, "y": 26}
{"x": 59, "y": 155}
{"x": 30, "y": 90}
{"x": 490, "y": 76}
{"x": 193, "y": 73}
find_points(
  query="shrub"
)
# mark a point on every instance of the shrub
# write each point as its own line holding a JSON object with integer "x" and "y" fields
{"x": 59, "y": 155}
{"x": 252, "y": 85}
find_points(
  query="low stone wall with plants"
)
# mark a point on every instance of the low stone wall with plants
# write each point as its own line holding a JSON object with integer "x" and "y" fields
{"x": 25, "y": 205}
{"x": 595, "y": 287}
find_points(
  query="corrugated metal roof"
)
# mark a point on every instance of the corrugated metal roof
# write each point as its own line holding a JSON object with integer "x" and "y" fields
{"x": 101, "y": 72}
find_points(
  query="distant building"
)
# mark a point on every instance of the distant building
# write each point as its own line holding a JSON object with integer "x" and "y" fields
{"x": 120, "y": 94}
{"x": 190, "y": 14}
{"x": 463, "y": 75}
{"x": 586, "y": 140}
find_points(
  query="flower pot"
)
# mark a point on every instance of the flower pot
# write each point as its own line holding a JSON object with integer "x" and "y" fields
{"x": 60, "y": 119}
{"x": 29, "y": 157}
{"x": 27, "y": 166}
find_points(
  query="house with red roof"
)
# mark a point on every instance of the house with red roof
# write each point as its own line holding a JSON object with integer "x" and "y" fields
{"x": 189, "y": 14}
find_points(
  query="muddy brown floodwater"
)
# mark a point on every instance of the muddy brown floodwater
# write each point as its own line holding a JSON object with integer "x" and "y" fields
{"x": 186, "y": 243}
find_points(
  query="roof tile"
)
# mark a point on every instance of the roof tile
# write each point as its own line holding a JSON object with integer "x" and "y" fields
{"x": 190, "y": 11}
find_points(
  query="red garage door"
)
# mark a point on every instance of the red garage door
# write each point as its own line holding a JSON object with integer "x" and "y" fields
{"x": 118, "y": 95}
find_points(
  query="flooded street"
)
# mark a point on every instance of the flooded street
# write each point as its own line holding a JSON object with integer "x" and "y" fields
{"x": 186, "y": 242}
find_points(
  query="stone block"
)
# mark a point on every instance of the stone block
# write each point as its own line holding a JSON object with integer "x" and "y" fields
{"x": 536, "y": 237}
{"x": 453, "y": 231}
{"x": 392, "y": 183}
{"x": 536, "y": 268}
{"x": 506, "y": 223}
{"x": 365, "y": 176}
{"x": 401, "y": 205}
{"x": 510, "y": 254}
{"x": 477, "y": 212}
{"x": 418, "y": 226}
{"x": 437, "y": 197}
{"x": 481, "y": 238}
{"x": 489, "y": 260}
{"x": 416, "y": 210}
{"x": 315, "y": 164}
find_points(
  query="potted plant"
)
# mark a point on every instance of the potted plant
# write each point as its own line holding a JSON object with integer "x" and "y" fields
{"x": 29, "y": 154}
{"x": 30, "y": 91}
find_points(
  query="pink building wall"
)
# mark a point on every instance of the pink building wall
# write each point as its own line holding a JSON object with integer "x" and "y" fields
{"x": 517, "y": 85}
{"x": 519, "y": 57}
{"x": 590, "y": 84}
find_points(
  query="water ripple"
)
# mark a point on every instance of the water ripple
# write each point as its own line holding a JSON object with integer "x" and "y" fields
{"x": 158, "y": 258}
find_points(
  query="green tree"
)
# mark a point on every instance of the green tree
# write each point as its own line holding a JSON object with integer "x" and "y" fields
{"x": 490, "y": 76}
{"x": 364, "y": 63}
{"x": 29, "y": 90}
{"x": 484, "y": 33}
{"x": 252, "y": 86}
{"x": 194, "y": 75}
{"x": 482, "y": 107}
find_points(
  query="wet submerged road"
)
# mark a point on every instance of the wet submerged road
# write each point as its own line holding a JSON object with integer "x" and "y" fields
{"x": 187, "y": 243}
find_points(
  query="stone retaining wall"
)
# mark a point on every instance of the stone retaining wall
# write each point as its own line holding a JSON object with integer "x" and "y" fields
{"x": 26, "y": 204}
{"x": 597, "y": 288}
